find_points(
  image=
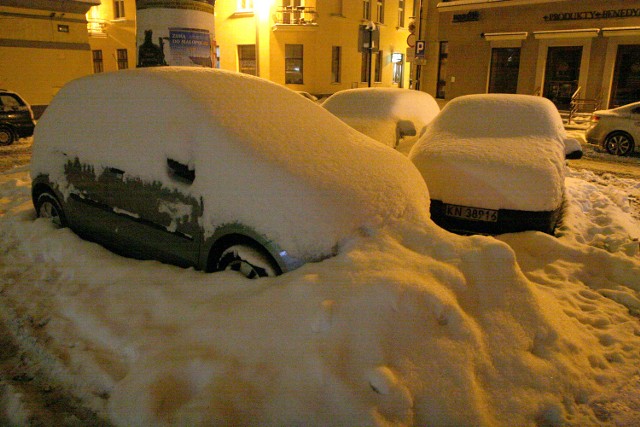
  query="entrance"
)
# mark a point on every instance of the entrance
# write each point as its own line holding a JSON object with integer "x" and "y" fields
{"x": 626, "y": 76}
{"x": 561, "y": 74}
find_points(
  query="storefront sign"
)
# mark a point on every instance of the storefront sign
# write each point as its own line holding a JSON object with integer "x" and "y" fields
{"x": 593, "y": 14}
{"x": 472, "y": 15}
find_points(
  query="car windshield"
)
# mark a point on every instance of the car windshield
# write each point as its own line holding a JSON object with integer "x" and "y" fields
{"x": 10, "y": 102}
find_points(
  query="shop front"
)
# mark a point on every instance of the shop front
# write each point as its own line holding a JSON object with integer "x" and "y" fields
{"x": 557, "y": 49}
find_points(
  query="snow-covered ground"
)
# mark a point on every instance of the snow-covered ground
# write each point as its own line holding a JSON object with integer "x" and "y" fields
{"x": 408, "y": 326}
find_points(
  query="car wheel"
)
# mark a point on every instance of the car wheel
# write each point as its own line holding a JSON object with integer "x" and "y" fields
{"x": 248, "y": 260}
{"x": 47, "y": 206}
{"x": 619, "y": 143}
{"x": 6, "y": 135}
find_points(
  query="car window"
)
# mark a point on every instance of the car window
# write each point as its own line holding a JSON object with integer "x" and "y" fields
{"x": 10, "y": 102}
{"x": 635, "y": 110}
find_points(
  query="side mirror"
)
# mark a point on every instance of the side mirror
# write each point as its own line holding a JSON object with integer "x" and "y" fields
{"x": 181, "y": 171}
{"x": 572, "y": 149}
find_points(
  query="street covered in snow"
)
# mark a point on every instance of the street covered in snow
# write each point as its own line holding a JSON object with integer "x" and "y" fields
{"x": 407, "y": 325}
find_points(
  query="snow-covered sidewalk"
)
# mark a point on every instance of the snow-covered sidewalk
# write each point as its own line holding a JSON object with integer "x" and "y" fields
{"x": 409, "y": 326}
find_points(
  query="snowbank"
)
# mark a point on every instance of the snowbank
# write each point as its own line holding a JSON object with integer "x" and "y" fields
{"x": 409, "y": 325}
{"x": 383, "y": 113}
{"x": 305, "y": 184}
{"x": 495, "y": 151}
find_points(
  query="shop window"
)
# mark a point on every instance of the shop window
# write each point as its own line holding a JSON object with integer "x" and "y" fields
{"x": 505, "y": 64}
{"x": 123, "y": 59}
{"x": 247, "y": 59}
{"x": 561, "y": 74}
{"x": 336, "y": 66}
{"x": 626, "y": 76}
{"x": 293, "y": 64}
{"x": 98, "y": 65}
{"x": 443, "y": 58}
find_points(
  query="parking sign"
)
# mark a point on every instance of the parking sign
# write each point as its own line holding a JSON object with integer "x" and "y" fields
{"x": 420, "y": 48}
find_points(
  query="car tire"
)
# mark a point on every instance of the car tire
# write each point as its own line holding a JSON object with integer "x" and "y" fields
{"x": 47, "y": 206}
{"x": 250, "y": 261}
{"x": 6, "y": 135}
{"x": 619, "y": 143}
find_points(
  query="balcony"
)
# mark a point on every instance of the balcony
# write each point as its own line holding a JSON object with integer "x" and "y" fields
{"x": 298, "y": 16}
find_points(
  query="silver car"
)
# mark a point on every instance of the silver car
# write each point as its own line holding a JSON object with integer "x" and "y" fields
{"x": 616, "y": 130}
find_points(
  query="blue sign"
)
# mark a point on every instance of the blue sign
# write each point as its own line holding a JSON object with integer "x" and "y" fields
{"x": 421, "y": 47}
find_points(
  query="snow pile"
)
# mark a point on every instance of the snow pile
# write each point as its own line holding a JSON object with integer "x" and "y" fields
{"x": 409, "y": 325}
{"x": 385, "y": 114}
{"x": 494, "y": 151}
{"x": 319, "y": 177}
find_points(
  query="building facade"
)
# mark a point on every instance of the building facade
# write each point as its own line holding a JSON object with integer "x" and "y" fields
{"x": 552, "y": 48}
{"x": 318, "y": 46}
{"x": 43, "y": 45}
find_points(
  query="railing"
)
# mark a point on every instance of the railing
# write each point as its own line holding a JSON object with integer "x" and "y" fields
{"x": 300, "y": 15}
{"x": 582, "y": 105}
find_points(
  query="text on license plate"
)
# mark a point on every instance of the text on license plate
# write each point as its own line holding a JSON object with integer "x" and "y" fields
{"x": 471, "y": 214}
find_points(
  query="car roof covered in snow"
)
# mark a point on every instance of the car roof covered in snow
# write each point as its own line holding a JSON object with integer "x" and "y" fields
{"x": 497, "y": 151}
{"x": 263, "y": 155}
{"x": 377, "y": 111}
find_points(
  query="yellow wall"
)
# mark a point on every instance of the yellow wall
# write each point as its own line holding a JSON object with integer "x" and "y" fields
{"x": 117, "y": 33}
{"x": 36, "y": 59}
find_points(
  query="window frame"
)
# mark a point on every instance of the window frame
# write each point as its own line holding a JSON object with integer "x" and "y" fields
{"x": 118, "y": 9}
{"x": 98, "y": 61}
{"x": 122, "y": 57}
{"x": 336, "y": 64}
{"x": 243, "y": 60}
{"x": 292, "y": 58}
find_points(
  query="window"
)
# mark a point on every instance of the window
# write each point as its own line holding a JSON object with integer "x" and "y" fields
{"x": 626, "y": 76}
{"x": 442, "y": 69}
{"x": 378, "y": 69}
{"x": 365, "y": 66}
{"x": 401, "y": 13}
{"x": 245, "y": 6}
{"x": 293, "y": 64}
{"x": 336, "y": 53}
{"x": 561, "y": 74}
{"x": 98, "y": 66}
{"x": 247, "y": 59}
{"x": 118, "y": 9}
{"x": 366, "y": 10}
{"x": 398, "y": 68}
{"x": 380, "y": 11}
{"x": 123, "y": 59}
{"x": 503, "y": 75}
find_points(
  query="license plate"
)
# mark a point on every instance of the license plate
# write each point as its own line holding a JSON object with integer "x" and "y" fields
{"x": 470, "y": 213}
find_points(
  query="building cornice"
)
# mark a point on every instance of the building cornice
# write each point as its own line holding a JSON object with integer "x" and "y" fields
{"x": 62, "y": 6}
{"x": 461, "y": 5}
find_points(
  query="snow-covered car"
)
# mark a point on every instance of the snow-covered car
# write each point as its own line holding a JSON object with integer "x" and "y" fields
{"x": 386, "y": 114}
{"x": 16, "y": 118}
{"x": 494, "y": 163}
{"x": 204, "y": 168}
{"x": 616, "y": 130}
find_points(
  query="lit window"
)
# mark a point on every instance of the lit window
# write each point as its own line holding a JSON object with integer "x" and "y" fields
{"x": 247, "y": 59}
{"x": 293, "y": 64}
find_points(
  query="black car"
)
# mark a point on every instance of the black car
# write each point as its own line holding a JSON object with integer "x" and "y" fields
{"x": 16, "y": 118}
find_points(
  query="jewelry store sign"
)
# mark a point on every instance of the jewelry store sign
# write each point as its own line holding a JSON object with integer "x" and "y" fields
{"x": 593, "y": 14}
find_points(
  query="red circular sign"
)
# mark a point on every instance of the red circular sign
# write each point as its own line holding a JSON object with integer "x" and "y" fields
{"x": 411, "y": 40}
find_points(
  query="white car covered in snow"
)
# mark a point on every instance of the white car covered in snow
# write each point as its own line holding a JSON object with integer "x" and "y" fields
{"x": 203, "y": 168}
{"x": 388, "y": 115}
{"x": 495, "y": 163}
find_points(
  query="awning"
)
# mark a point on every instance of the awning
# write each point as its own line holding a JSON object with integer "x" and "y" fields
{"x": 621, "y": 31}
{"x": 567, "y": 34}
{"x": 515, "y": 35}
